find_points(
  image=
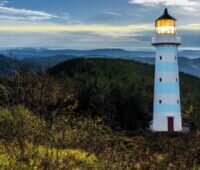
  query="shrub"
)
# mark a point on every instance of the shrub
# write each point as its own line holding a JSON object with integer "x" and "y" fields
{"x": 18, "y": 125}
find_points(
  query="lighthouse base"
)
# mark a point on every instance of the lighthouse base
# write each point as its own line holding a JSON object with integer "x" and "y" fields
{"x": 185, "y": 128}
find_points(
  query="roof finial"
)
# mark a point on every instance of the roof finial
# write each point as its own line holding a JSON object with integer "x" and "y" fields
{"x": 166, "y": 11}
{"x": 166, "y": 16}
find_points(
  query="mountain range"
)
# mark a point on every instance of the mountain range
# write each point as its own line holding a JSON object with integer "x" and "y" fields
{"x": 38, "y": 59}
{"x": 22, "y": 53}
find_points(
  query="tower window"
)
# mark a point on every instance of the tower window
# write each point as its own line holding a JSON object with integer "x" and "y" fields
{"x": 160, "y": 101}
{"x": 178, "y": 102}
{"x": 175, "y": 57}
{"x": 176, "y": 79}
{"x": 160, "y": 57}
{"x": 160, "y": 79}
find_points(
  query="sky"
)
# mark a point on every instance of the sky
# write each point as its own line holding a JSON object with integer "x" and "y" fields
{"x": 90, "y": 24}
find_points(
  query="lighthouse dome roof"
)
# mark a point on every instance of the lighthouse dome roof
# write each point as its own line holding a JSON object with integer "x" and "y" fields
{"x": 166, "y": 16}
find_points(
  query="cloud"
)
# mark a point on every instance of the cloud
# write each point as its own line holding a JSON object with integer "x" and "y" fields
{"x": 108, "y": 27}
{"x": 190, "y": 5}
{"x": 71, "y": 36}
{"x": 3, "y": 3}
{"x": 78, "y": 40}
{"x": 190, "y": 27}
{"x": 112, "y": 13}
{"x": 24, "y": 14}
{"x": 88, "y": 36}
{"x": 116, "y": 31}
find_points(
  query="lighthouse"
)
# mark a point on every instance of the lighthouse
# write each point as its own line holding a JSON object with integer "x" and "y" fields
{"x": 167, "y": 104}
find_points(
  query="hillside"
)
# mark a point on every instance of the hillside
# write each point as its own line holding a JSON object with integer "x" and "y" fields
{"x": 186, "y": 65}
{"x": 8, "y": 65}
{"x": 119, "y": 89}
{"x": 110, "y": 88}
{"x": 47, "y": 62}
{"x": 93, "y": 114}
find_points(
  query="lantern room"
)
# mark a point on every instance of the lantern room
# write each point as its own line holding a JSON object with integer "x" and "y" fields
{"x": 165, "y": 24}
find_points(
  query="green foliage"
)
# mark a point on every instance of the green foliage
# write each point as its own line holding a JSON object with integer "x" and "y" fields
{"x": 89, "y": 144}
{"x": 92, "y": 114}
{"x": 46, "y": 158}
{"x": 110, "y": 88}
{"x": 18, "y": 125}
{"x": 6, "y": 124}
{"x": 121, "y": 91}
{"x": 19, "y": 122}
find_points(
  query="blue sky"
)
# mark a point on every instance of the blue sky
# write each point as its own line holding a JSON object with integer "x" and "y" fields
{"x": 88, "y": 24}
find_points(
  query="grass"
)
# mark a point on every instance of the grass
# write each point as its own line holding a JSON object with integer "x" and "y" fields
{"x": 43, "y": 157}
{"x": 143, "y": 152}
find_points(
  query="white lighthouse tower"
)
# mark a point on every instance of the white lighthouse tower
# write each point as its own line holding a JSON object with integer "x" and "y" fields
{"x": 167, "y": 108}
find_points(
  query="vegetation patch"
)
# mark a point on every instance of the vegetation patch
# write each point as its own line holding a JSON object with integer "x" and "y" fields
{"x": 93, "y": 114}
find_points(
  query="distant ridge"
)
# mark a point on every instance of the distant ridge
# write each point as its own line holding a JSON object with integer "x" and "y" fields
{"x": 36, "y": 59}
{"x": 35, "y": 53}
{"x": 21, "y": 53}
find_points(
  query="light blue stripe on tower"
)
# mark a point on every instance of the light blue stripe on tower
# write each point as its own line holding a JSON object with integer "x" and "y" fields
{"x": 166, "y": 50}
{"x": 166, "y": 67}
{"x": 163, "y": 108}
{"x": 167, "y": 88}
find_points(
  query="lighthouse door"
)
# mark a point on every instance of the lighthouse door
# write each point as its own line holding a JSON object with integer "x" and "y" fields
{"x": 170, "y": 124}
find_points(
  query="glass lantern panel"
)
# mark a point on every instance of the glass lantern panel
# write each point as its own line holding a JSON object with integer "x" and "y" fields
{"x": 166, "y": 27}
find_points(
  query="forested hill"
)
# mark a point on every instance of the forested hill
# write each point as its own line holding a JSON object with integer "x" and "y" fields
{"x": 92, "y": 114}
{"x": 8, "y": 65}
{"x": 121, "y": 90}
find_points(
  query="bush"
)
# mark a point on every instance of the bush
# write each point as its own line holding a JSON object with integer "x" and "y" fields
{"x": 18, "y": 125}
